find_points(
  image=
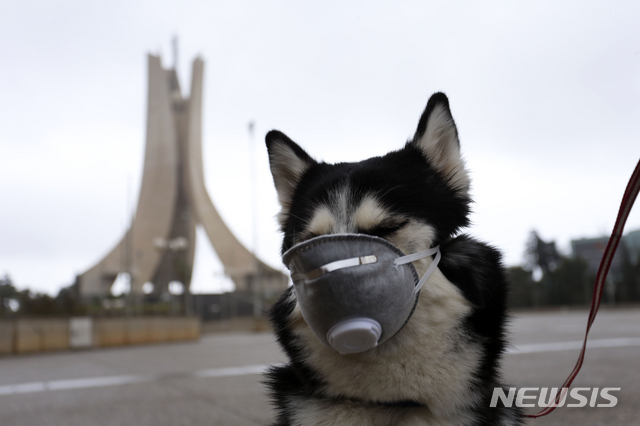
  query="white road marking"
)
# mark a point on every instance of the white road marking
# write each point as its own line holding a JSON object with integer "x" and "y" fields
{"x": 99, "y": 382}
{"x": 233, "y": 371}
{"x": 89, "y": 382}
{"x": 96, "y": 382}
{"x": 576, "y": 344}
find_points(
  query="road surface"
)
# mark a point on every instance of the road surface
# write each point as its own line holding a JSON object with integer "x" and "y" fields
{"x": 216, "y": 381}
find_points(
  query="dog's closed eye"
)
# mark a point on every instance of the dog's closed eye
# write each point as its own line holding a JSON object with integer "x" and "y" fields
{"x": 384, "y": 228}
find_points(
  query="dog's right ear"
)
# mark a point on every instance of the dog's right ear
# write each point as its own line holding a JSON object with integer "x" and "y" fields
{"x": 288, "y": 164}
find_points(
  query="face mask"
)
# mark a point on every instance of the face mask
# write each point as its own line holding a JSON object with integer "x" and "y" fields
{"x": 355, "y": 291}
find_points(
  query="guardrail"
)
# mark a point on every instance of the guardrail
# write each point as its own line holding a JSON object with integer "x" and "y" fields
{"x": 30, "y": 335}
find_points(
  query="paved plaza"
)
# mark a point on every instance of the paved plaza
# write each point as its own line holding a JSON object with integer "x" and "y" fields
{"x": 216, "y": 381}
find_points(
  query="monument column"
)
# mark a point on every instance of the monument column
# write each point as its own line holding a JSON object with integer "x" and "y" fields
{"x": 159, "y": 245}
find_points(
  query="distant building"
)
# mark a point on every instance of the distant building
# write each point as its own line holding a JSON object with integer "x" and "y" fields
{"x": 632, "y": 241}
{"x": 592, "y": 249}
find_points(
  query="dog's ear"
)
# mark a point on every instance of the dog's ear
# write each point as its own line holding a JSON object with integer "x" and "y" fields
{"x": 437, "y": 138}
{"x": 288, "y": 164}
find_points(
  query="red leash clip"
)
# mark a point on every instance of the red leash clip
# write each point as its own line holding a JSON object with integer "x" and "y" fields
{"x": 625, "y": 207}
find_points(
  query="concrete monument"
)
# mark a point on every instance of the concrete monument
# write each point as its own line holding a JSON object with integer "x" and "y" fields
{"x": 159, "y": 245}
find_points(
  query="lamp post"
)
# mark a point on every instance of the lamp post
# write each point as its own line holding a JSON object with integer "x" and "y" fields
{"x": 256, "y": 279}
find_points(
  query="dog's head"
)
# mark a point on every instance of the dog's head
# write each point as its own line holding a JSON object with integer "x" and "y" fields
{"x": 415, "y": 197}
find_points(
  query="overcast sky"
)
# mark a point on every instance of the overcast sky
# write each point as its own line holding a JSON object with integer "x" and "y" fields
{"x": 545, "y": 94}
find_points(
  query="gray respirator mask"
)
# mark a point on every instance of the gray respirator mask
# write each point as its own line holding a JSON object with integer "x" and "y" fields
{"x": 355, "y": 291}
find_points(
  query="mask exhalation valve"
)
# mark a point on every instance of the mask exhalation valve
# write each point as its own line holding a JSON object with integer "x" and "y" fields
{"x": 354, "y": 335}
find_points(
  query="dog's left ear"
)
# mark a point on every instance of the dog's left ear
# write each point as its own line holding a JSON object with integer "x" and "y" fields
{"x": 288, "y": 164}
{"x": 437, "y": 138}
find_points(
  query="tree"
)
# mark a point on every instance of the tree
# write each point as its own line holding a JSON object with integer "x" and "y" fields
{"x": 556, "y": 279}
{"x": 541, "y": 254}
{"x": 569, "y": 283}
{"x": 7, "y": 292}
{"x": 628, "y": 289}
{"x": 36, "y": 304}
{"x": 68, "y": 303}
{"x": 521, "y": 292}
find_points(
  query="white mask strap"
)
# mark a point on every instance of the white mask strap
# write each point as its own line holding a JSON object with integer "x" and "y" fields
{"x": 421, "y": 255}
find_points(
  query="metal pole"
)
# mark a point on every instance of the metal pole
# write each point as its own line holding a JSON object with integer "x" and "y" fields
{"x": 128, "y": 250}
{"x": 256, "y": 281}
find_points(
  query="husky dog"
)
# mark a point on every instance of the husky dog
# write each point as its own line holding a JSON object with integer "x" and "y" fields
{"x": 441, "y": 368}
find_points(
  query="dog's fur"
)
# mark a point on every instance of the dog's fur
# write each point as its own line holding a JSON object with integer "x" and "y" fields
{"x": 442, "y": 367}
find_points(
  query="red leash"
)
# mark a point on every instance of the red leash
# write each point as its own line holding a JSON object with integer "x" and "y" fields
{"x": 625, "y": 207}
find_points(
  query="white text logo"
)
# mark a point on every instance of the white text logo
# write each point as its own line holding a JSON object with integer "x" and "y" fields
{"x": 542, "y": 397}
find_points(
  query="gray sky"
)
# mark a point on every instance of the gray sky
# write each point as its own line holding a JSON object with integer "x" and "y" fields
{"x": 546, "y": 96}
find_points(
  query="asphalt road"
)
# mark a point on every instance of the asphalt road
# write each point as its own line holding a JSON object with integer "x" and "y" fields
{"x": 216, "y": 381}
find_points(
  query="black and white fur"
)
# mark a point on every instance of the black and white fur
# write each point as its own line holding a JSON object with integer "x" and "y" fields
{"x": 442, "y": 367}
